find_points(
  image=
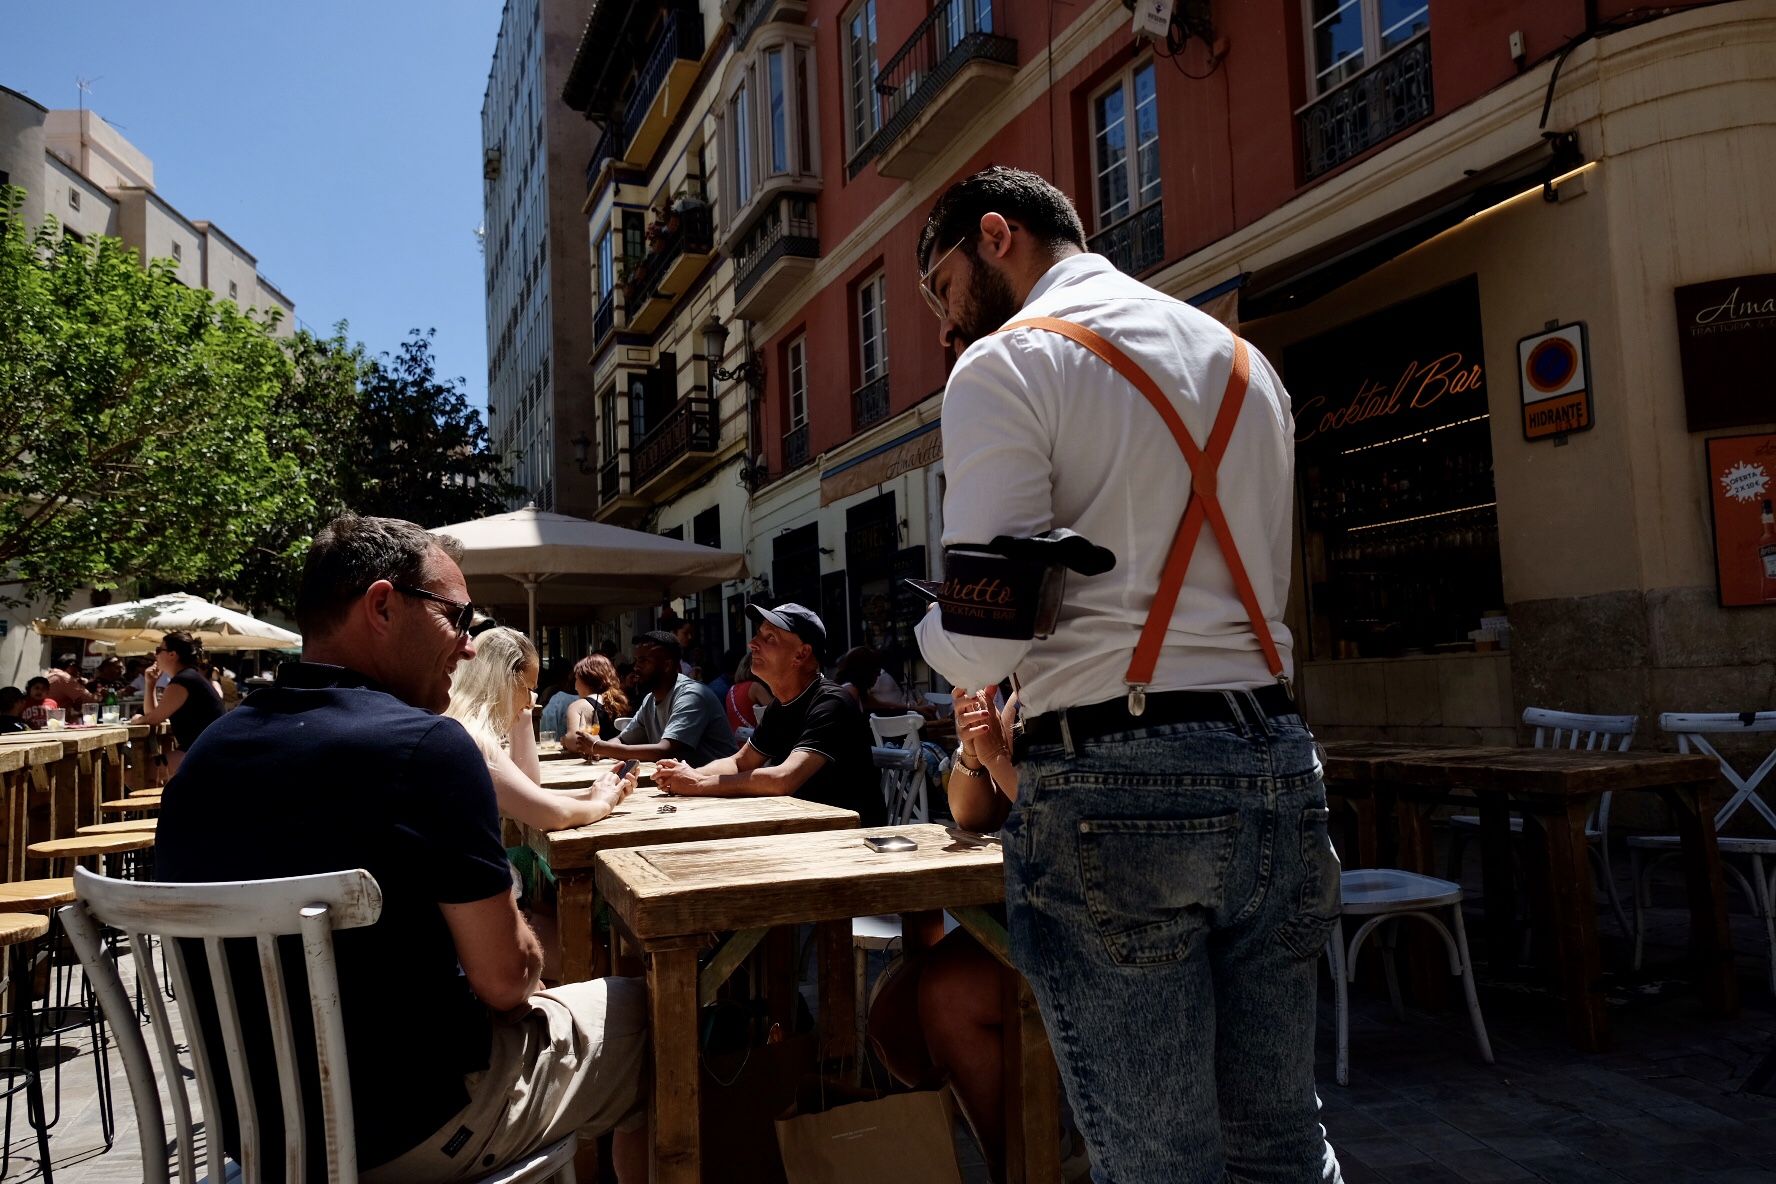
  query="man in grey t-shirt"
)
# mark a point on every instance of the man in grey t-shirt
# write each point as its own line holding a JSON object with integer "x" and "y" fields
{"x": 678, "y": 718}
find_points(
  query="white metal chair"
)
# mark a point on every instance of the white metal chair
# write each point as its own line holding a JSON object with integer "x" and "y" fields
{"x": 1385, "y": 895}
{"x": 1692, "y": 730}
{"x": 309, "y": 907}
{"x": 1571, "y": 730}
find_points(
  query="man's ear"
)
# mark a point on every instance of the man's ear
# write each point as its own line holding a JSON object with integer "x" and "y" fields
{"x": 376, "y": 607}
{"x": 995, "y": 235}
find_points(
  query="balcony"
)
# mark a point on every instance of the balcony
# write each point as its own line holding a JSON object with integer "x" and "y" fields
{"x": 1373, "y": 107}
{"x": 795, "y": 448}
{"x": 604, "y": 318}
{"x": 601, "y": 156}
{"x": 1135, "y": 243}
{"x": 747, "y": 15}
{"x": 775, "y": 256}
{"x": 684, "y": 244}
{"x": 610, "y": 479}
{"x": 936, "y": 84}
{"x": 685, "y": 440}
{"x": 869, "y": 404}
{"x": 663, "y": 85}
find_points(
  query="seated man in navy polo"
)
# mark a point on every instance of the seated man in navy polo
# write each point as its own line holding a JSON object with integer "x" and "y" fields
{"x": 457, "y": 1063}
{"x": 813, "y": 742}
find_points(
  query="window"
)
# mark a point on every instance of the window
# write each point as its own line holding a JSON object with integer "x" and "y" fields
{"x": 743, "y": 141}
{"x": 797, "y": 372}
{"x": 1345, "y": 37}
{"x": 861, "y": 68}
{"x": 73, "y": 198}
{"x": 233, "y": 290}
{"x": 607, "y": 427}
{"x": 1125, "y": 146}
{"x": 607, "y": 263}
{"x": 767, "y": 135}
{"x": 962, "y": 17}
{"x": 872, "y": 328}
{"x": 177, "y": 253}
{"x": 779, "y": 126}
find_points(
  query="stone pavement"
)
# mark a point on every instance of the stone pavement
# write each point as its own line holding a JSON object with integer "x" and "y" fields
{"x": 1678, "y": 1099}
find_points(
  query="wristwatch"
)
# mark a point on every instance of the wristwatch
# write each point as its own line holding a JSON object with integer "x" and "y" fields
{"x": 958, "y": 763}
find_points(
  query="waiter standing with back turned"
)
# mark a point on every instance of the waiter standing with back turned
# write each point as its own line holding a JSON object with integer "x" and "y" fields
{"x": 1169, "y": 880}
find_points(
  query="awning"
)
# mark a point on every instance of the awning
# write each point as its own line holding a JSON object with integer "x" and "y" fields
{"x": 1304, "y": 278}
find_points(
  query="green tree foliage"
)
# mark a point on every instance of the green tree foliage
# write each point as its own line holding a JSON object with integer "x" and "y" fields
{"x": 420, "y": 451}
{"x": 133, "y": 444}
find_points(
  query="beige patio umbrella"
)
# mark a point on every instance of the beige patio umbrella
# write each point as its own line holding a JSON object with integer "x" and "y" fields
{"x": 564, "y": 564}
{"x": 135, "y": 625}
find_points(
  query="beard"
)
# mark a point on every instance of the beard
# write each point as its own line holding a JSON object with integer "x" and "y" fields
{"x": 987, "y": 305}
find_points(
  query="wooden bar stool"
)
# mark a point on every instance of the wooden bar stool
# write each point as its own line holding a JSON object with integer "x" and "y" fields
{"x": 65, "y": 853}
{"x": 126, "y": 827}
{"x": 124, "y": 806}
{"x": 18, "y": 933}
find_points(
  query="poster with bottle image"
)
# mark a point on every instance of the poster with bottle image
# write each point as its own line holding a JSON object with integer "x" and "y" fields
{"x": 1742, "y": 486}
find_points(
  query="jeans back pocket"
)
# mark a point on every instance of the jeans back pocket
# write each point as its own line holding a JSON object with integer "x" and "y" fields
{"x": 1152, "y": 885}
{"x": 1319, "y": 897}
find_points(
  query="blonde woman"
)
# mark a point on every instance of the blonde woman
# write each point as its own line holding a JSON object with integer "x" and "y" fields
{"x": 490, "y": 695}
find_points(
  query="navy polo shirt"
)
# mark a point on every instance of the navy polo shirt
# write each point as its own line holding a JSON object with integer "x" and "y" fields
{"x": 324, "y": 772}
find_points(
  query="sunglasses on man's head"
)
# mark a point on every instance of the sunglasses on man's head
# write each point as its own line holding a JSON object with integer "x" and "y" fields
{"x": 460, "y": 616}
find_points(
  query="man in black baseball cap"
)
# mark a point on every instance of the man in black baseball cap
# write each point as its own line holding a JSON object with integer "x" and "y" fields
{"x": 678, "y": 717}
{"x": 813, "y": 742}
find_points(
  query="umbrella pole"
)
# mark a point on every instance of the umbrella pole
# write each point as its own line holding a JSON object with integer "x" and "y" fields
{"x": 530, "y": 595}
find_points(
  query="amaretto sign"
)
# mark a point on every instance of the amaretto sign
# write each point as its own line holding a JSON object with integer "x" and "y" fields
{"x": 1726, "y": 343}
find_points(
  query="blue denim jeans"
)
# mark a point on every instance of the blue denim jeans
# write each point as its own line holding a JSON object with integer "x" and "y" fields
{"x": 1168, "y": 893}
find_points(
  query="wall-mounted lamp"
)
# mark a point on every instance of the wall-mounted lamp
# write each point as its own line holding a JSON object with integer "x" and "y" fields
{"x": 715, "y": 340}
{"x": 582, "y": 451}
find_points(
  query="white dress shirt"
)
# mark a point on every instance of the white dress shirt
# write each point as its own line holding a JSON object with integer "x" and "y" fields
{"x": 1039, "y": 434}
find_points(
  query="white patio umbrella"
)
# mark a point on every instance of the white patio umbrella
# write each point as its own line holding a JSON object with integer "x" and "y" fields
{"x": 565, "y": 563}
{"x": 134, "y": 622}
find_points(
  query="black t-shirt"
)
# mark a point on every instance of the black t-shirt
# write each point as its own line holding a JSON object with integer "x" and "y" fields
{"x": 12, "y": 723}
{"x": 322, "y": 772}
{"x": 202, "y": 707}
{"x": 825, "y": 719}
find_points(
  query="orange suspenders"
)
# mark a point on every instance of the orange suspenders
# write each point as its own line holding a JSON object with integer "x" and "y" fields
{"x": 1203, "y": 505}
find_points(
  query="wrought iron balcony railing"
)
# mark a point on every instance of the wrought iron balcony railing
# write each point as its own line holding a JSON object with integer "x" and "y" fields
{"x": 1135, "y": 243}
{"x": 605, "y": 149}
{"x": 691, "y": 426}
{"x": 690, "y": 229}
{"x": 795, "y": 448}
{"x": 604, "y": 318}
{"x": 680, "y": 37}
{"x": 1376, "y": 105}
{"x": 610, "y": 479}
{"x": 953, "y": 34}
{"x": 869, "y": 404}
{"x": 778, "y": 235}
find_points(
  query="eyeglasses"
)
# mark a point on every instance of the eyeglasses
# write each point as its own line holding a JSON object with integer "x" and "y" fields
{"x": 460, "y": 616}
{"x": 925, "y": 289}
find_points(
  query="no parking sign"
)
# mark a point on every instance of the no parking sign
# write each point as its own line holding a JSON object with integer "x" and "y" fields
{"x": 1554, "y": 372}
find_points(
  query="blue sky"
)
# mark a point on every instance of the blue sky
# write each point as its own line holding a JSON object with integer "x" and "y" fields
{"x": 338, "y": 141}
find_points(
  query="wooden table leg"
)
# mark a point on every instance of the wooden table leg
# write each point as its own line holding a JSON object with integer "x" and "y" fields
{"x": 581, "y": 956}
{"x": 1032, "y": 1089}
{"x": 672, "y": 1000}
{"x": 141, "y": 755}
{"x": 65, "y": 793}
{"x": 1711, "y": 945}
{"x": 838, "y": 990}
{"x": 780, "y": 977}
{"x": 92, "y": 776}
{"x": 1573, "y": 918}
{"x": 1499, "y": 878}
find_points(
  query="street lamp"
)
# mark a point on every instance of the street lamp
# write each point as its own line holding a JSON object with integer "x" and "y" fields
{"x": 582, "y": 451}
{"x": 715, "y": 340}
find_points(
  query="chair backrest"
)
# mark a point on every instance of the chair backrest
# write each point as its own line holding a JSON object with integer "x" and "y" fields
{"x": 622, "y": 723}
{"x": 1570, "y": 729}
{"x": 1693, "y": 728}
{"x": 262, "y": 911}
{"x": 903, "y": 783}
{"x": 897, "y": 731}
{"x": 945, "y": 704}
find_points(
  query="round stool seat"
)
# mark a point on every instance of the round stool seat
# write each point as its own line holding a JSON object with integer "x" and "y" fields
{"x": 129, "y": 806}
{"x": 127, "y": 827}
{"x": 17, "y": 927}
{"x": 22, "y": 896}
{"x": 85, "y": 846}
{"x": 146, "y": 793}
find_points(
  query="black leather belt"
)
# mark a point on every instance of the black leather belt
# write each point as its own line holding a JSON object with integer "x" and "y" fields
{"x": 1164, "y": 707}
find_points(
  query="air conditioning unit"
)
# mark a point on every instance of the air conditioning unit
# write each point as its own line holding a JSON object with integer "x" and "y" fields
{"x": 490, "y": 164}
{"x": 1153, "y": 18}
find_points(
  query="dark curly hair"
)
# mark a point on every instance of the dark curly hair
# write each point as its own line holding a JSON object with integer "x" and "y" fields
{"x": 1018, "y": 196}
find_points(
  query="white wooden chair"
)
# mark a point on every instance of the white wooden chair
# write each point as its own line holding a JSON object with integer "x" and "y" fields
{"x": 903, "y": 791}
{"x": 262, "y": 911}
{"x": 1571, "y": 730}
{"x": 946, "y": 706}
{"x": 896, "y": 731}
{"x": 1646, "y": 852}
{"x": 1385, "y": 895}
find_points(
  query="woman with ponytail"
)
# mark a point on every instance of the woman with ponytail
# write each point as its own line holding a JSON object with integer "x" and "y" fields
{"x": 188, "y": 701}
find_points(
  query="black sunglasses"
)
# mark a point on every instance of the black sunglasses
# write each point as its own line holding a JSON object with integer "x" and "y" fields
{"x": 460, "y": 616}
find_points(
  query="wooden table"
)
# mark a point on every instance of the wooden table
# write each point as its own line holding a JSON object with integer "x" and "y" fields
{"x": 148, "y": 746}
{"x": 89, "y": 757}
{"x": 26, "y": 776}
{"x": 1556, "y": 791}
{"x": 639, "y": 822}
{"x": 575, "y": 774}
{"x": 671, "y": 898}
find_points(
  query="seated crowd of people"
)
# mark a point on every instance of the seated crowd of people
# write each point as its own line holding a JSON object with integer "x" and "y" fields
{"x": 415, "y": 720}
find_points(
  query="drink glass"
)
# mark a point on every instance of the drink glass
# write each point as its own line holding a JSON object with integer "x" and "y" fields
{"x": 547, "y": 737}
{"x": 55, "y": 718}
{"x": 110, "y": 713}
{"x": 89, "y": 714}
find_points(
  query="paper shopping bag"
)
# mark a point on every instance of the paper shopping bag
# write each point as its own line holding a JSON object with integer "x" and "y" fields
{"x": 890, "y": 1140}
